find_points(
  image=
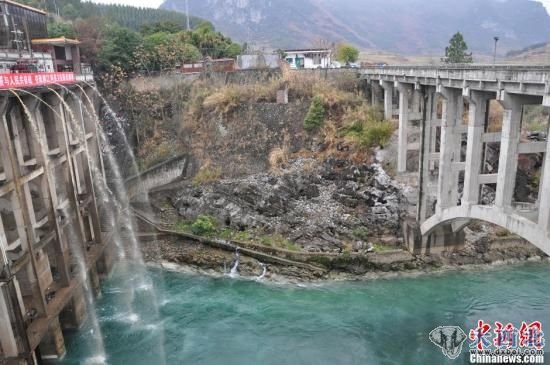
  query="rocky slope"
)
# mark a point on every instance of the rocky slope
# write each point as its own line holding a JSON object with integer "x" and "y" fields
{"x": 405, "y": 26}
{"x": 322, "y": 207}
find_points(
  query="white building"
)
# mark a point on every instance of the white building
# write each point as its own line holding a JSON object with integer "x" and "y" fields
{"x": 308, "y": 58}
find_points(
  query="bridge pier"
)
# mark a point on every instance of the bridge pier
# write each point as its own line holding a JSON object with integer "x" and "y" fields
{"x": 388, "y": 99}
{"x": 405, "y": 91}
{"x": 376, "y": 94}
{"x": 442, "y": 148}
{"x": 544, "y": 191}
{"x": 509, "y": 143}
{"x": 447, "y": 191}
{"x": 477, "y": 119}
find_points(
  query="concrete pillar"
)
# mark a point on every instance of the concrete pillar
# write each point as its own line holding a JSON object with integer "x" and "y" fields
{"x": 52, "y": 346}
{"x": 425, "y": 150}
{"x": 105, "y": 262}
{"x": 388, "y": 99}
{"x": 476, "y": 126}
{"x": 403, "y": 133}
{"x": 376, "y": 93}
{"x": 74, "y": 314}
{"x": 94, "y": 281}
{"x": 544, "y": 191}
{"x": 447, "y": 194}
{"x": 7, "y": 335}
{"x": 508, "y": 160}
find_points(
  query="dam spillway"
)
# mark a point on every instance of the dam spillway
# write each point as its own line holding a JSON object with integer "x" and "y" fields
{"x": 52, "y": 239}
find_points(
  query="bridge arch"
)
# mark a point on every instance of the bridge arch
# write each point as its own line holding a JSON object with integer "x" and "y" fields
{"x": 513, "y": 222}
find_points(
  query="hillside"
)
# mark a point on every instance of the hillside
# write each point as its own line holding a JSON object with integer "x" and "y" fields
{"x": 127, "y": 16}
{"x": 405, "y": 26}
{"x": 535, "y": 54}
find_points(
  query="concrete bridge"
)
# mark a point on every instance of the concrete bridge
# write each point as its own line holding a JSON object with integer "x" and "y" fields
{"x": 450, "y": 109}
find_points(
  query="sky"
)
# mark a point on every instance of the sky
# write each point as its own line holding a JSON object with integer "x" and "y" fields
{"x": 156, "y": 3}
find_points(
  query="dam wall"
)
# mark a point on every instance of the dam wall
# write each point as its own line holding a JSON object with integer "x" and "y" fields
{"x": 50, "y": 226}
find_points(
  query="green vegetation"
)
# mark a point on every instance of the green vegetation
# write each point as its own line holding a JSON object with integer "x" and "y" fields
{"x": 315, "y": 117}
{"x": 346, "y": 53}
{"x": 207, "y": 227}
{"x": 203, "y": 225}
{"x": 60, "y": 29}
{"x": 366, "y": 126}
{"x": 379, "y": 247}
{"x": 118, "y": 47}
{"x": 457, "y": 50}
{"x": 362, "y": 233}
{"x": 126, "y": 16}
{"x": 502, "y": 232}
{"x": 134, "y": 39}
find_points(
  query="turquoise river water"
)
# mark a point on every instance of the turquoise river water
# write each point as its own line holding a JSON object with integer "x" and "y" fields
{"x": 202, "y": 320}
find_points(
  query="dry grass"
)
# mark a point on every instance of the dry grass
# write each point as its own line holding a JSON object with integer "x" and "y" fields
{"x": 278, "y": 159}
{"x": 279, "y": 156}
{"x": 207, "y": 174}
{"x": 496, "y": 114}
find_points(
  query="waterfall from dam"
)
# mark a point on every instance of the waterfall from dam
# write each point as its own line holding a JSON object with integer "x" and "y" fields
{"x": 139, "y": 285}
{"x": 98, "y": 348}
{"x": 136, "y": 291}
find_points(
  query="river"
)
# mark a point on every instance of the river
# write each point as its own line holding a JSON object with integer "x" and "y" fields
{"x": 210, "y": 321}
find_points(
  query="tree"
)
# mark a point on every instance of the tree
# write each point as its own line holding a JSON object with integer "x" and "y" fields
{"x": 69, "y": 11}
{"x": 457, "y": 50}
{"x": 316, "y": 115}
{"x": 56, "y": 30}
{"x": 165, "y": 27}
{"x": 89, "y": 33}
{"x": 346, "y": 53}
{"x": 118, "y": 48}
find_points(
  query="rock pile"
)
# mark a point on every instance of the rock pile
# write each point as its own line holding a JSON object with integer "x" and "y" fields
{"x": 319, "y": 206}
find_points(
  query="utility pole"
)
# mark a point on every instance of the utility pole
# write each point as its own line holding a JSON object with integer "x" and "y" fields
{"x": 187, "y": 14}
{"x": 495, "y": 52}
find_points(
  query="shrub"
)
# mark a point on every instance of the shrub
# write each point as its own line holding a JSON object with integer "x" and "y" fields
{"x": 316, "y": 114}
{"x": 376, "y": 134}
{"x": 203, "y": 225}
{"x": 278, "y": 158}
{"x": 362, "y": 233}
{"x": 224, "y": 100}
{"x": 366, "y": 126}
{"x": 206, "y": 175}
{"x": 502, "y": 232}
{"x": 160, "y": 153}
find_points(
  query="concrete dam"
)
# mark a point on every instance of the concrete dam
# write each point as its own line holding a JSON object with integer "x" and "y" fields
{"x": 51, "y": 235}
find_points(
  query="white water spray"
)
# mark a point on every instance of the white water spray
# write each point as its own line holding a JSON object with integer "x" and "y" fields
{"x": 264, "y": 271}
{"x": 235, "y": 269}
{"x": 76, "y": 250}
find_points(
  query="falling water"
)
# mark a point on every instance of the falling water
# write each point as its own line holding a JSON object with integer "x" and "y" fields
{"x": 235, "y": 269}
{"x": 99, "y": 355}
{"x": 139, "y": 279}
{"x": 264, "y": 271}
{"x": 77, "y": 252}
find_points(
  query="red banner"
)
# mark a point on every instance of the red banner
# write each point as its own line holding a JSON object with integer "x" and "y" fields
{"x": 23, "y": 80}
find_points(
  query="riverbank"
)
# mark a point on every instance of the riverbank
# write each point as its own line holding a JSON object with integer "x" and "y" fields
{"x": 217, "y": 258}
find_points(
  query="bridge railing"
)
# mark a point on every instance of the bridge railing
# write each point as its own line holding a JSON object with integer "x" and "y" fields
{"x": 513, "y": 73}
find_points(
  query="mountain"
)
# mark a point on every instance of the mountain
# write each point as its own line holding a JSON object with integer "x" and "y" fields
{"x": 534, "y": 54}
{"x": 405, "y": 26}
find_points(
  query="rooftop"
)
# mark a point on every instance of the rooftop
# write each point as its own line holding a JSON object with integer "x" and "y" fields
{"x": 60, "y": 41}
{"x": 307, "y": 50}
{"x": 24, "y": 6}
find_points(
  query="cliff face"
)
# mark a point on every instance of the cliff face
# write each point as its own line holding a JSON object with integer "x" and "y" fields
{"x": 406, "y": 26}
